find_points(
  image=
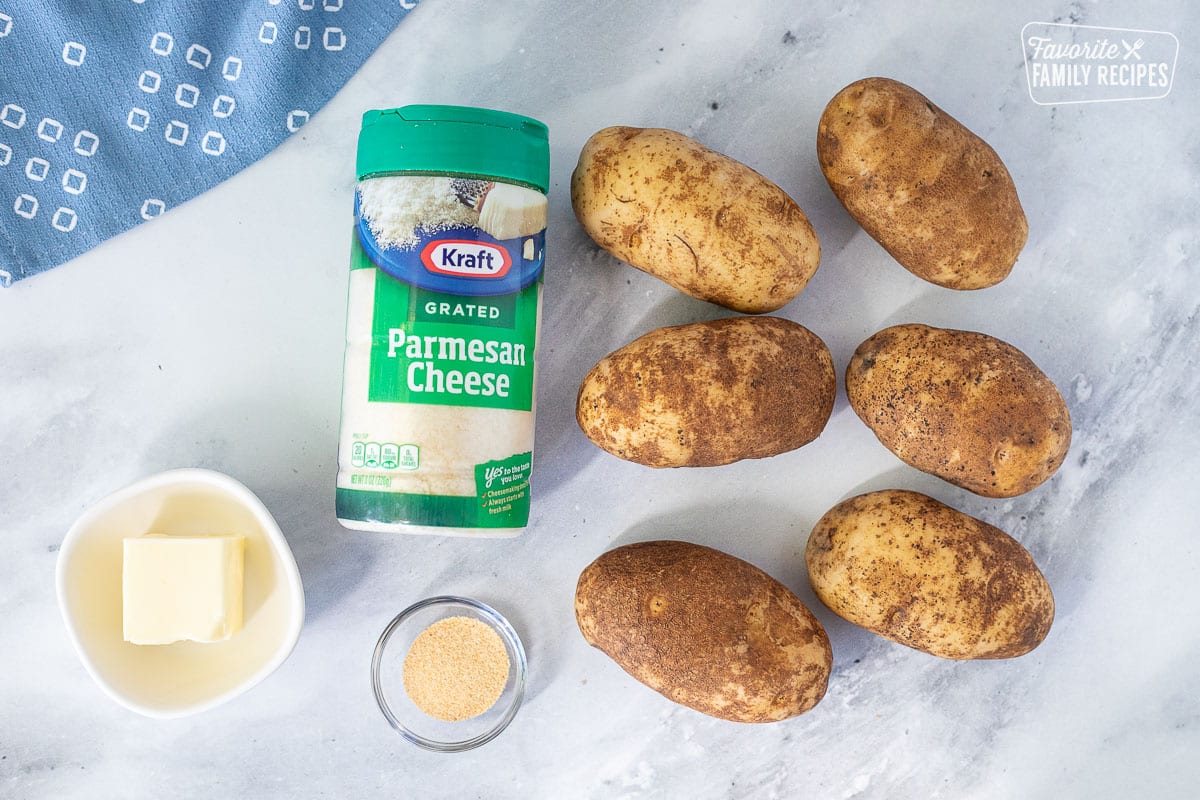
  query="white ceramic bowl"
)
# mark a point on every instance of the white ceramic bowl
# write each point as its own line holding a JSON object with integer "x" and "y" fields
{"x": 186, "y": 677}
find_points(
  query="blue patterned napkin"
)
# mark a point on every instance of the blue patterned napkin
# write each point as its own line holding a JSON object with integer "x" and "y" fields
{"x": 113, "y": 113}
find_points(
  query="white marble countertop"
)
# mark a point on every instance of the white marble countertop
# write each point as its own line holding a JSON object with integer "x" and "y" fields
{"x": 212, "y": 337}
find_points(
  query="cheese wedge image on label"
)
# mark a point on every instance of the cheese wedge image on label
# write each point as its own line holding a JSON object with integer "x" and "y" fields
{"x": 177, "y": 588}
{"x": 509, "y": 212}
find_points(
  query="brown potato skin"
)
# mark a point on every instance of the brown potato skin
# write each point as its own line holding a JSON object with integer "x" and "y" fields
{"x": 709, "y": 393}
{"x": 964, "y": 406}
{"x": 935, "y": 195}
{"x": 918, "y": 572}
{"x": 705, "y": 629}
{"x": 706, "y": 224}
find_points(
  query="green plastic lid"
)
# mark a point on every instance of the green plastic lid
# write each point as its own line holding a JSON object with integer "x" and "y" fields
{"x": 454, "y": 140}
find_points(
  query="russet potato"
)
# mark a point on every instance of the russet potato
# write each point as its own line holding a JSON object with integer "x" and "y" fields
{"x": 916, "y": 571}
{"x": 709, "y": 393}
{"x": 935, "y": 195}
{"x": 708, "y": 225}
{"x": 964, "y": 406}
{"x": 705, "y": 629}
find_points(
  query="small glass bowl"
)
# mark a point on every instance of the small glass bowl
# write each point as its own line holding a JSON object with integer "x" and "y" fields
{"x": 387, "y": 677}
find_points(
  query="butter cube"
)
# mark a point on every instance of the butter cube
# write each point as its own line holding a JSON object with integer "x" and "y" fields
{"x": 182, "y": 587}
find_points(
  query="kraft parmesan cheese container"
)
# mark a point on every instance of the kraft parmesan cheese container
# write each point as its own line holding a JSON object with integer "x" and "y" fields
{"x": 442, "y": 326}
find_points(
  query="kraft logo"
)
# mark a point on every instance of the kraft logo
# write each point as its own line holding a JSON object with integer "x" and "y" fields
{"x": 466, "y": 258}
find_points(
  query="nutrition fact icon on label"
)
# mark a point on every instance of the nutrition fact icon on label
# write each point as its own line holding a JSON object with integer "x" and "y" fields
{"x": 386, "y": 456}
{"x": 410, "y": 457}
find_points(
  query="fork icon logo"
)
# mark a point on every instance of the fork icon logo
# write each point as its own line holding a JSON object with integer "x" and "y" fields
{"x": 1132, "y": 49}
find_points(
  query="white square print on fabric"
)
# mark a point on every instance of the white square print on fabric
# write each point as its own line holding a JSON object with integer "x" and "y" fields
{"x": 36, "y": 169}
{"x": 176, "y": 132}
{"x": 187, "y": 95}
{"x": 74, "y": 181}
{"x": 175, "y": 85}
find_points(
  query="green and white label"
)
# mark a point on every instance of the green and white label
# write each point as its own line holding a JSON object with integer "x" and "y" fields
{"x": 472, "y": 352}
{"x": 441, "y": 332}
{"x": 503, "y": 489}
